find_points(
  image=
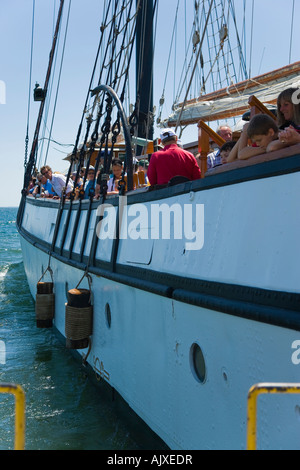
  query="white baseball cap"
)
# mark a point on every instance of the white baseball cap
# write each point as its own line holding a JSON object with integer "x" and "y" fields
{"x": 166, "y": 134}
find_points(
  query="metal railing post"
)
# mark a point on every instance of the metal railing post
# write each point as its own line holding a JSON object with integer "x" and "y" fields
{"x": 254, "y": 392}
{"x": 19, "y": 395}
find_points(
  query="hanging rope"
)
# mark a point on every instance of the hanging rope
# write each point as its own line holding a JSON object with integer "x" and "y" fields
{"x": 59, "y": 77}
{"x": 33, "y": 153}
{"x": 47, "y": 269}
{"x": 199, "y": 51}
{"x": 29, "y": 92}
{"x": 48, "y": 99}
{"x": 251, "y": 41}
{"x": 292, "y": 27}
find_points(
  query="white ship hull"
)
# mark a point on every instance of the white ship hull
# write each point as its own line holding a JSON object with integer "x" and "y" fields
{"x": 236, "y": 296}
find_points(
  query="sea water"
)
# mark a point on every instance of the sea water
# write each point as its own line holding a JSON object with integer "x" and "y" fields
{"x": 64, "y": 409}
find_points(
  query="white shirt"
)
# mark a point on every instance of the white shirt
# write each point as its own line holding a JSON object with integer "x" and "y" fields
{"x": 214, "y": 159}
{"x": 111, "y": 185}
{"x": 58, "y": 182}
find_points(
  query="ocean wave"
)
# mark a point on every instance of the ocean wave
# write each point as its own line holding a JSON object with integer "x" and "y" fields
{"x": 11, "y": 250}
{"x": 16, "y": 266}
{"x": 4, "y": 223}
{"x": 12, "y": 278}
{"x": 3, "y": 272}
{"x": 15, "y": 294}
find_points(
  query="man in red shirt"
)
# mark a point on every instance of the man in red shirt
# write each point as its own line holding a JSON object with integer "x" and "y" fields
{"x": 171, "y": 161}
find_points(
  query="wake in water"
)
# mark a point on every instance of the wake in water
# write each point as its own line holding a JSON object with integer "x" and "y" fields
{"x": 14, "y": 286}
{"x": 64, "y": 410}
{"x": 3, "y": 272}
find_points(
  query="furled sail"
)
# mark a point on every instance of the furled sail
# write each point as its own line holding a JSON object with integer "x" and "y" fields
{"x": 216, "y": 80}
{"x": 233, "y": 101}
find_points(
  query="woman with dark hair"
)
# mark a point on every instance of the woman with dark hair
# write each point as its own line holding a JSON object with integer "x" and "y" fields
{"x": 288, "y": 121}
{"x": 288, "y": 116}
{"x": 288, "y": 108}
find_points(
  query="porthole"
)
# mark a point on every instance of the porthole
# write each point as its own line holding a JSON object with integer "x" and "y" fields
{"x": 197, "y": 362}
{"x": 108, "y": 315}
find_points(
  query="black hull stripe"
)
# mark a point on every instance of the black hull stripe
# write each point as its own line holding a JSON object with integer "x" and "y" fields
{"x": 260, "y": 305}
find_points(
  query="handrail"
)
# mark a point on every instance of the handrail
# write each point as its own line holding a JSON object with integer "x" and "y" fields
{"x": 257, "y": 107}
{"x": 19, "y": 394}
{"x": 204, "y": 134}
{"x": 291, "y": 151}
{"x": 254, "y": 392}
{"x": 126, "y": 131}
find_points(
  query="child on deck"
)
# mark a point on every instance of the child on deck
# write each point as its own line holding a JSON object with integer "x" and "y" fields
{"x": 225, "y": 151}
{"x": 263, "y": 132}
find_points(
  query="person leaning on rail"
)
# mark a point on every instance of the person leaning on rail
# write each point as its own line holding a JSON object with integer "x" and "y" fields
{"x": 288, "y": 116}
{"x": 214, "y": 158}
{"x": 58, "y": 181}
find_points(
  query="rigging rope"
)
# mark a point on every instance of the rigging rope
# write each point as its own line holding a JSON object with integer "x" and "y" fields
{"x": 29, "y": 92}
{"x": 242, "y": 60}
{"x": 59, "y": 77}
{"x": 217, "y": 63}
{"x": 199, "y": 51}
{"x": 292, "y": 27}
{"x": 116, "y": 70}
{"x": 33, "y": 153}
{"x": 111, "y": 76}
{"x": 251, "y": 41}
{"x": 48, "y": 99}
{"x": 85, "y": 111}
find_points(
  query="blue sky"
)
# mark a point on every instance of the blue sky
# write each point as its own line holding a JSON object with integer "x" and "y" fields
{"x": 270, "y": 50}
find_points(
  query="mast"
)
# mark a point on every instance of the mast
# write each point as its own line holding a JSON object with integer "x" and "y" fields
{"x": 31, "y": 159}
{"x": 144, "y": 67}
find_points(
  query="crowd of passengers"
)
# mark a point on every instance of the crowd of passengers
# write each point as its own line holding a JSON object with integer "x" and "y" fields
{"x": 262, "y": 134}
{"x": 51, "y": 184}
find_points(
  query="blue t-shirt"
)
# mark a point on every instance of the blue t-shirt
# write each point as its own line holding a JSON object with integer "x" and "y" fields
{"x": 90, "y": 185}
{"x": 48, "y": 187}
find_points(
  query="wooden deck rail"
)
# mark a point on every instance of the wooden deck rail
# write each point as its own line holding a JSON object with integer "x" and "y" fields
{"x": 265, "y": 157}
{"x": 257, "y": 107}
{"x": 204, "y": 134}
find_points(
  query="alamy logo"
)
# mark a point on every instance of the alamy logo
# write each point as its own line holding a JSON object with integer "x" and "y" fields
{"x": 2, "y": 352}
{"x": 157, "y": 221}
{"x": 2, "y": 92}
{"x": 296, "y": 354}
{"x": 296, "y": 96}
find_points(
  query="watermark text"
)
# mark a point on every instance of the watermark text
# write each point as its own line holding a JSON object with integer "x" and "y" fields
{"x": 296, "y": 97}
{"x": 296, "y": 353}
{"x": 2, "y": 352}
{"x": 2, "y": 92}
{"x": 155, "y": 221}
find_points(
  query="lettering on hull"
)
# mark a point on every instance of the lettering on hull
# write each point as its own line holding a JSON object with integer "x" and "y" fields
{"x": 101, "y": 373}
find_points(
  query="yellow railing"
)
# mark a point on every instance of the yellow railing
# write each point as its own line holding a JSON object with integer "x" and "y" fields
{"x": 254, "y": 392}
{"x": 19, "y": 394}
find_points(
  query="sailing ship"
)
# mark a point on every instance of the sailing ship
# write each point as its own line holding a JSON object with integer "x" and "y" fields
{"x": 191, "y": 291}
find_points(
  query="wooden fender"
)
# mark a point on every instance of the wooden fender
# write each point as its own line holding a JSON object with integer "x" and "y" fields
{"x": 44, "y": 305}
{"x": 78, "y": 319}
